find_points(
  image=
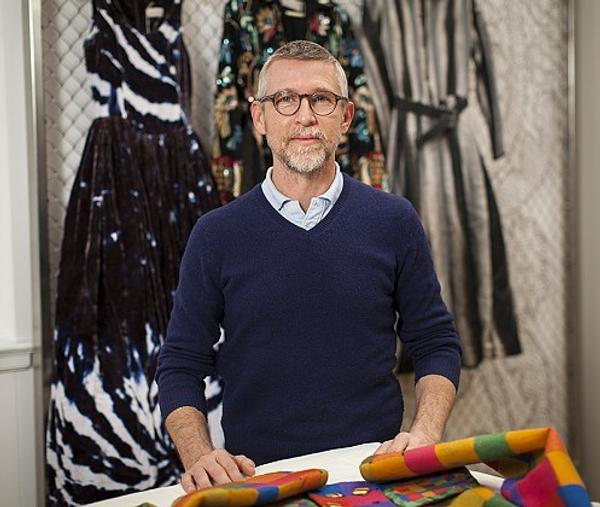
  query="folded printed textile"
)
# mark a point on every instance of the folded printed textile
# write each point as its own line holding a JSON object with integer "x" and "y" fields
{"x": 535, "y": 463}
{"x": 283, "y": 489}
{"x": 257, "y": 490}
{"x": 537, "y": 467}
{"x": 415, "y": 492}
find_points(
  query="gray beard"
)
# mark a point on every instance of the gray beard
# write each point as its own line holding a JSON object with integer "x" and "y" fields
{"x": 304, "y": 161}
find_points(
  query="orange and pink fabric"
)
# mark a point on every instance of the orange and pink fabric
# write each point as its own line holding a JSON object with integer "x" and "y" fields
{"x": 258, "y": 490}
{"x": 535, "y": 463}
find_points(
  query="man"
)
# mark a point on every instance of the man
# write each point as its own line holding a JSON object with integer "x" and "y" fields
{"x": 307, "y": 274}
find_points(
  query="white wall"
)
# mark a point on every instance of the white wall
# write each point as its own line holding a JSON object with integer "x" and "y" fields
{"x": 20, "y": 383}
{"x": 588, "y": 155}
{"x": 16, "y": 290}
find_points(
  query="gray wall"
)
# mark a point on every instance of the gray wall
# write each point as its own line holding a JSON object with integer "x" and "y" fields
{"x": 588, "y": 173}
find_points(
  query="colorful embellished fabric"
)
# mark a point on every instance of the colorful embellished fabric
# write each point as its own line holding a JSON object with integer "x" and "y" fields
{"x": 535, "y": 462}
{"x": 252, "y": 31}
{"x": 413, "y": 492}
{"x": 480, "y": 497}
{"x": 258, "y": 490}
{"x": 429, "y": 489}
{"x": 297, "y": 501}
{"x": 350, "y": 494}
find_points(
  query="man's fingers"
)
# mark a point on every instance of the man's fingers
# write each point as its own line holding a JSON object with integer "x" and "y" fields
{"x": 413, "y": 445}
{"x": 419, "y": 441}
{"x": 230, "y": 465}
{"x": 216, "y": 472}
{"x": 187, "y": 483}
{"x": 383, "y": 448}
{"x": 245, "y": 464}
{"x": 215, "y": 468}
{"x": 399, "y": 443}
{"x": 200, "y": 477}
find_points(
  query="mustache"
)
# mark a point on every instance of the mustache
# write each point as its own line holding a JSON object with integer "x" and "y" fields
{"x": 305, "y": 133}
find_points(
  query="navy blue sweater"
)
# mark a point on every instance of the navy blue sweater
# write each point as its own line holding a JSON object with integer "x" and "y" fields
{"x": 309, "y": 321}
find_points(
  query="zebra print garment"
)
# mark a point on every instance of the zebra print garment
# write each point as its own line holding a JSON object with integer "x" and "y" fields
{"x": 142, "y": 183}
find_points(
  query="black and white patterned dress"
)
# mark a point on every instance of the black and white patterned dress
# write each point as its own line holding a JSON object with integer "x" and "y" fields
{"x": 142, "y": 183}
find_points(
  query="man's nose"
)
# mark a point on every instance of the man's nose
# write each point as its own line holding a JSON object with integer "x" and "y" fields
{"x": 305, "y": 115}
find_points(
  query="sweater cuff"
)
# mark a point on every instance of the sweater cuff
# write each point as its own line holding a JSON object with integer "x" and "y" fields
{"x": 176, "y": 397}
{"x": 443, "y": 363}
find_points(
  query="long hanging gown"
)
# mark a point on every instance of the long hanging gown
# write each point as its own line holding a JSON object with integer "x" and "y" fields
{"x": 424, "y": 56}
{"x": 142, "y": 183}
{"x": 252, "y": 31}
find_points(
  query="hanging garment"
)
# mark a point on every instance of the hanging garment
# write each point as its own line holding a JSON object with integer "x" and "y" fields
{"x": 423, "y": 57}
{"x": 142, "y": 183}
{"x": 252, "y": 31}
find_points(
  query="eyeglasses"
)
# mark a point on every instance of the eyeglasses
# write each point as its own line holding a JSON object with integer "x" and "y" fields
{"x": 288, "y": 103}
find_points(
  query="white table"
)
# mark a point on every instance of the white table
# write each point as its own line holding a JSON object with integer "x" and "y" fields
{"x": 342, "y": 465}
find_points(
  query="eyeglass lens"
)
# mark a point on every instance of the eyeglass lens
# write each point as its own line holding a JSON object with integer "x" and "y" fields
{"x": 288, "y": 103}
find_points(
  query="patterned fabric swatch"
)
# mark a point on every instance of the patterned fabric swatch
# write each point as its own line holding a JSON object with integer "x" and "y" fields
{"x": 429, "y": 489}
{"x": 297, "y": 501}
{"x": 407, "y": 493}
{"x": 535, "y": 462}
{"x": 350, "y": 494}
{"x": 258, "y": 490}
{"x": 480, "y": 497}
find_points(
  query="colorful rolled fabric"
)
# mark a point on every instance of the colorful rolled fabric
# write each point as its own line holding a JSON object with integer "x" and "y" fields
{"x": 414, "y": 492}
{"x": 258, "y": 490}
{"x": 535, "y": 462}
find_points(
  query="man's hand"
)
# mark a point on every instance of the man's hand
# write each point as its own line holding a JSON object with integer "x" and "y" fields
{"x": 405, "y": 441}
{"x": 216, "y": 467}
{"x": 435, "y": 396}
{"x": 204, "y": 465}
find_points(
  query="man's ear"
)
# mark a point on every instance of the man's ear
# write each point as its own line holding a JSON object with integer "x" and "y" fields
{"x": 348, "y": 115}
{"x": 258, "y": 117}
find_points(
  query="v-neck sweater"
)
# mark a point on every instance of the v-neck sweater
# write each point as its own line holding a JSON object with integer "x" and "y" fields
{"x": 311, "y": 320}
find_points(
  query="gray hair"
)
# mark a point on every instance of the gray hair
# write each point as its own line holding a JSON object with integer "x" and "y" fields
{"x": 302, "y": 50}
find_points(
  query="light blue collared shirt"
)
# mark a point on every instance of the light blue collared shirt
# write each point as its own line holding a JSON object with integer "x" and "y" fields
{"x": 292, "y": 211}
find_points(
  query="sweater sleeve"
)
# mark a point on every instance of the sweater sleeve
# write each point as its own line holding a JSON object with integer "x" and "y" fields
{"x": 425, "y": 325}
{"x": 187, "y": 355}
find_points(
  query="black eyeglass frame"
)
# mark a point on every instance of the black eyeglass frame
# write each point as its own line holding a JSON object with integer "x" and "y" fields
{"x": 271, "y": 98}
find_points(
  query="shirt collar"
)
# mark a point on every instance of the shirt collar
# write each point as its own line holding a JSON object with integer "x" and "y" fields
{"x": 279, "y": 200}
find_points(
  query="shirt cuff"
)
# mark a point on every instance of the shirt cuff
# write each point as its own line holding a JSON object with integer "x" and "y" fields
{"x": 172, "y": 398}
{"x": 444, "y": 363}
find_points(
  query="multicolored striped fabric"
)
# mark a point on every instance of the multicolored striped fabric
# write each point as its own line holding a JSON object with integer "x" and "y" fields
{"x": 535, "y": 462}
{"x": 282, "y": 486}
{"x": 258, "y": 490}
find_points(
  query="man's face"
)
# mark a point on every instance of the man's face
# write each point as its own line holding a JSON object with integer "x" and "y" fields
{"x": 304, "y": 141}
